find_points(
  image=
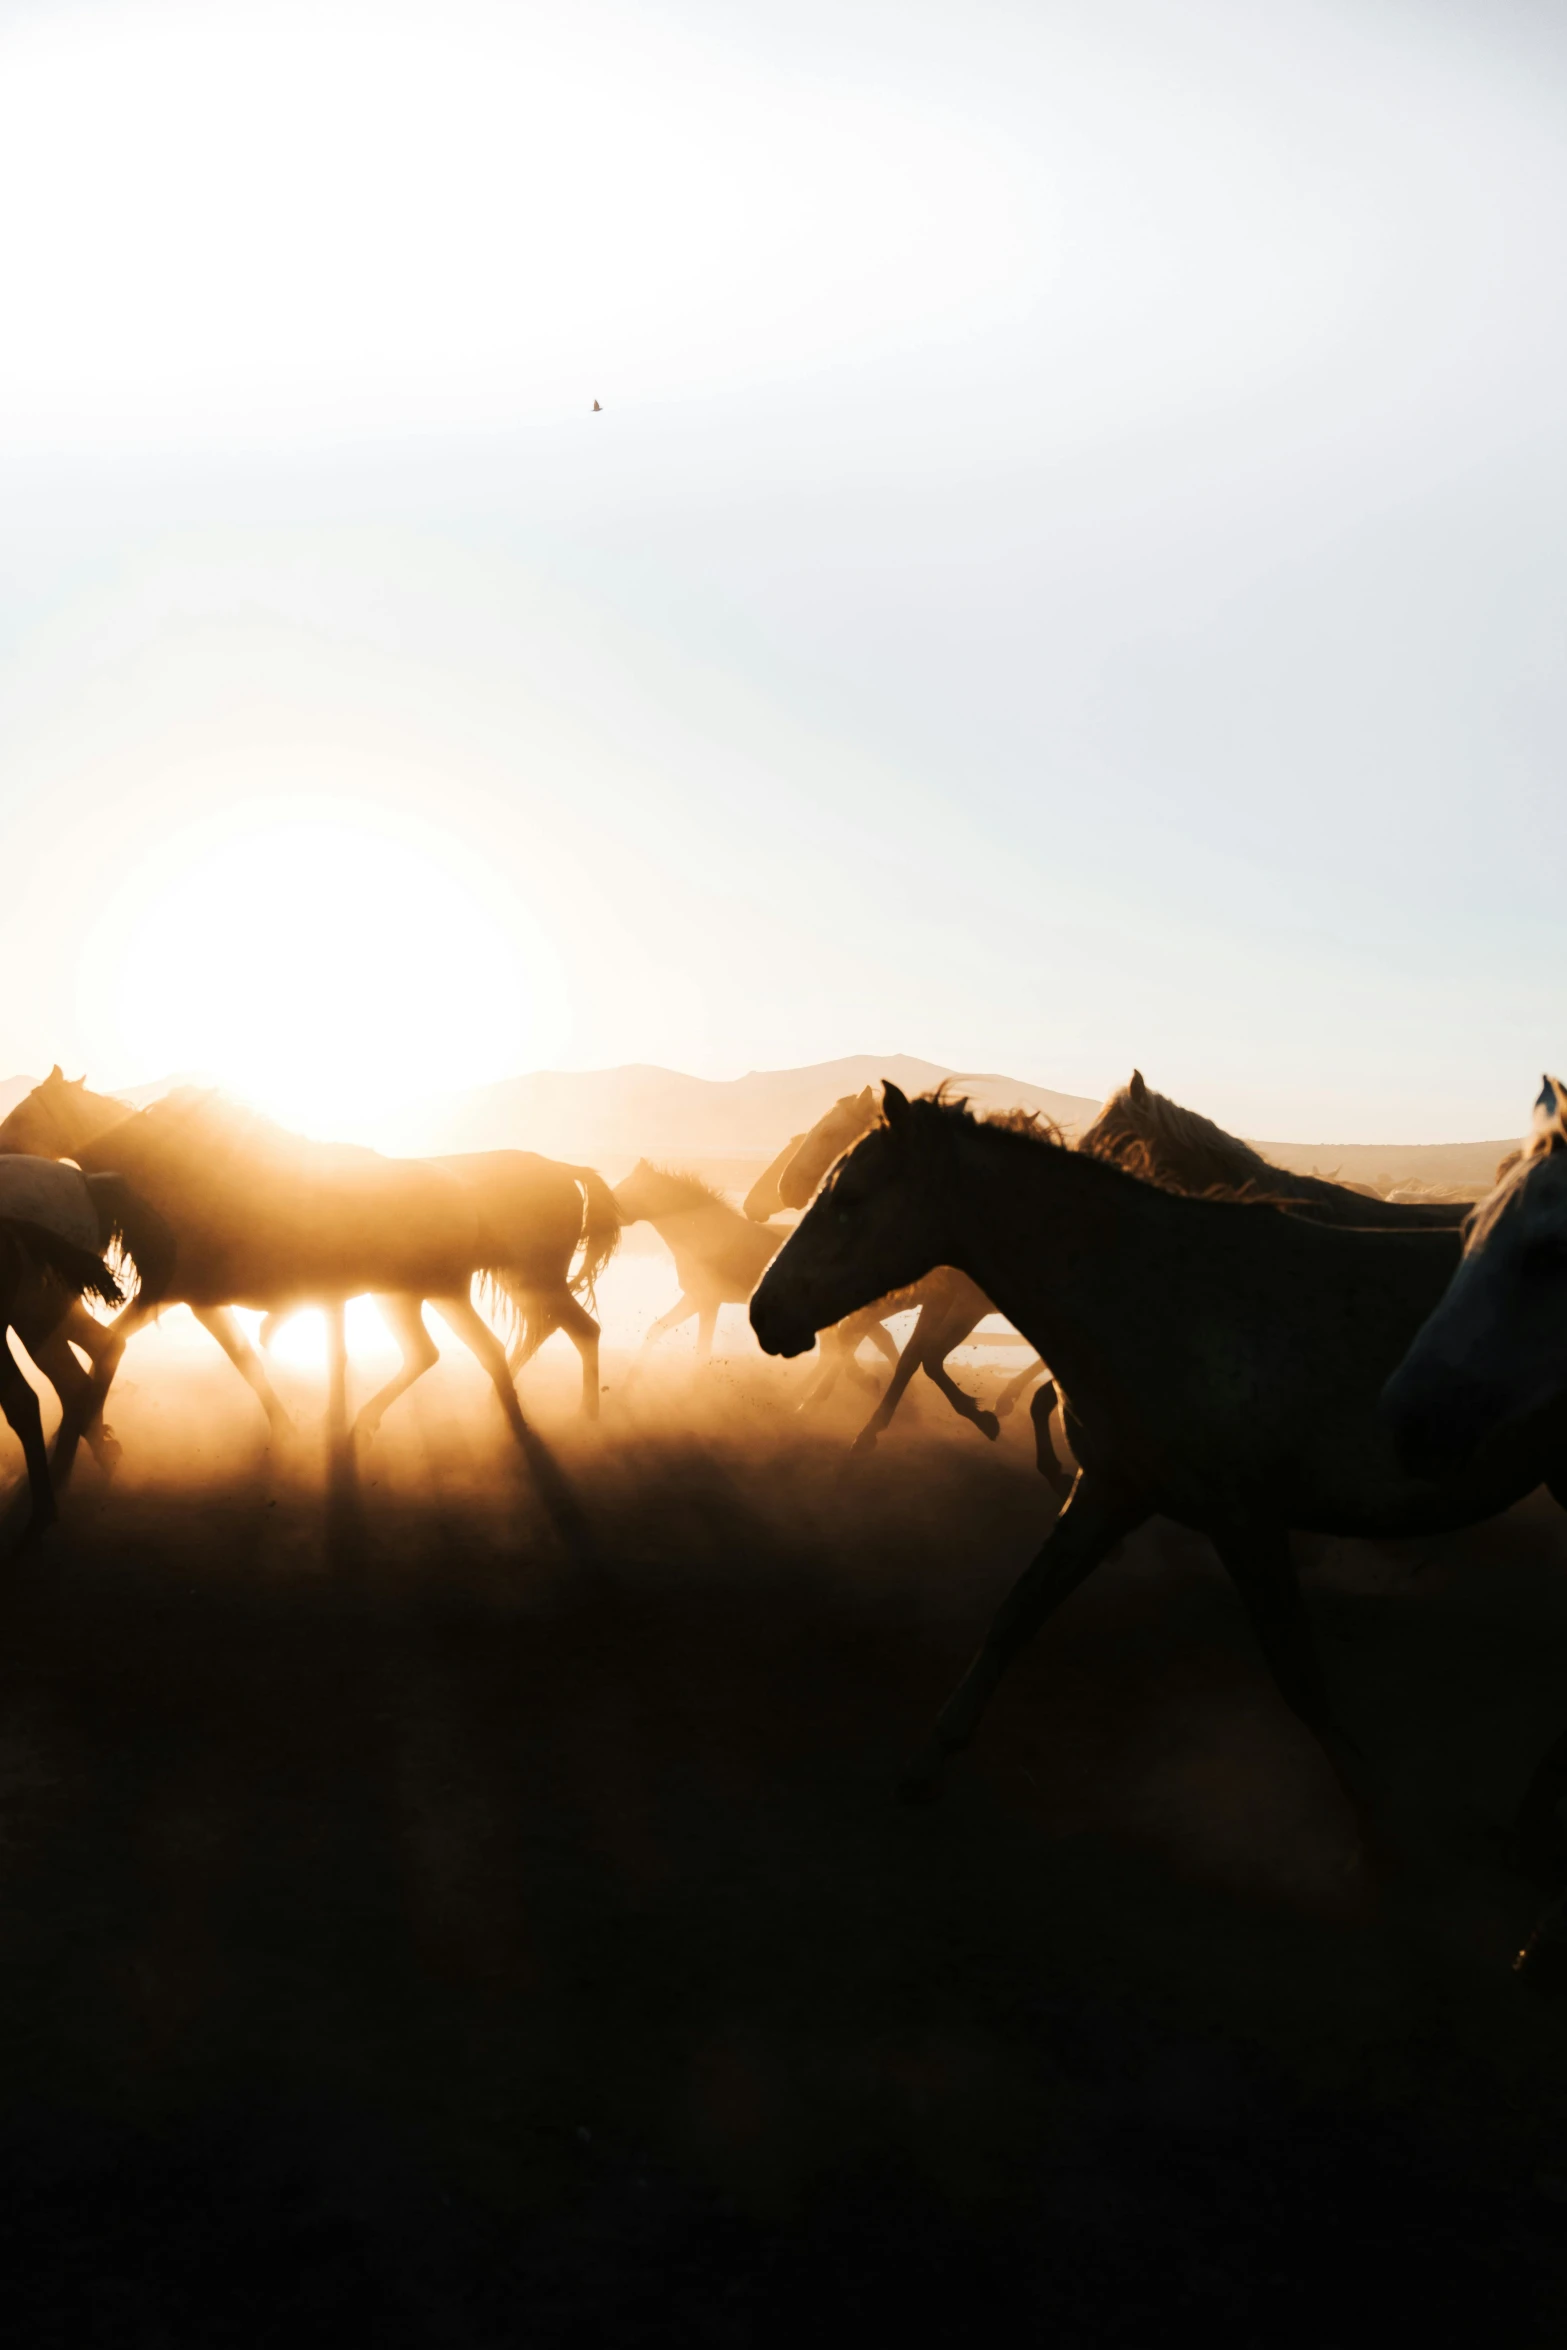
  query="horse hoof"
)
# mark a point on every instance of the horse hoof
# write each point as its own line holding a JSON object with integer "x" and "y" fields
{"x": 988, "y": 1425}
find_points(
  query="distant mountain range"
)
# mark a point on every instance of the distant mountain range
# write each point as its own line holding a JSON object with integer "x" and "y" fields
{"x": 646, "y": 1112}
{"x": 729, "y": 1127}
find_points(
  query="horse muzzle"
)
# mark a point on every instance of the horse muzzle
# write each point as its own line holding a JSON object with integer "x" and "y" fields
{"x": 778, "y": 1331}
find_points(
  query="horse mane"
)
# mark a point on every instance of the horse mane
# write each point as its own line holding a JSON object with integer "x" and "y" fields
{"x": 1149, "y": 1135}
{"x": 1037, "y": 1123}
{"x": 695, "y": 1187}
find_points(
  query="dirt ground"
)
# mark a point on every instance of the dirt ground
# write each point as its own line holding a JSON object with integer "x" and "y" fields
{"x": 413, "y": 1933}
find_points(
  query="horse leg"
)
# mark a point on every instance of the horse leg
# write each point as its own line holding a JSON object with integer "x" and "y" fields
{"x": 935, "y": 1369}
{"x": 1051, "y": 1467}
{"x": 707, "y": 1324}
{"x": 832, "y": 1347}
{"x": 404, "y": 1318}
{"x": 54, "y": 1355}
{"x": 1019, "y": 1386}
{"x": 903, "y": 1371}
{"x": 336, "y": 1375}
{"x": 1092, "y": 1523}
{"x": 20, "y": 1406}
{"x": 467, "y": 1323}
{"x": 682, "y": 1310}
{"x": 573, "y": 1317}
{"x": 1257, "y": 1560}
{"x": 219, "y": 1323}
{"x": 110, "y": 1344}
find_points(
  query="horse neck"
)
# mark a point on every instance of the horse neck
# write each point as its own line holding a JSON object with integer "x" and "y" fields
{"x": 1066, "y": 1246}
{"x": 86, "y": 1118}
{"x": 827, "y": 1141}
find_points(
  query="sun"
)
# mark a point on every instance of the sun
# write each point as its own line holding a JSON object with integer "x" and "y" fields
{"x": 328, "y": 965}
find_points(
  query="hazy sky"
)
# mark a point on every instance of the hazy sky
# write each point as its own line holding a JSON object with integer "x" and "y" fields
{"x": 1071, "y": 569}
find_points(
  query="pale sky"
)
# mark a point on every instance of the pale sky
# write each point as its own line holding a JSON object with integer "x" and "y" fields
{"x": 1071, "y": 569}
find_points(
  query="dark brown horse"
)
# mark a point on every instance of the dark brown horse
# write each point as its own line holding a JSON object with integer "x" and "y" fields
{"x": 1494, "y": 1348}
{"x": 1220, "y": 1364}
{"x": 949, "y": 1308}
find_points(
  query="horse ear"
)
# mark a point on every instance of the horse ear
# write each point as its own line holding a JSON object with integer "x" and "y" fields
{"x": 1550, "y": 1109}
{"x": 56, "y": 1075}
{"x": 895, "y": 1107}
{"x": 1138, "y": 1089}
{"x": 78, "y": 1083}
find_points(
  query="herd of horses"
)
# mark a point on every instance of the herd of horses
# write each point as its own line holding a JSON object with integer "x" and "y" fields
{"x": 1218, "y": 1341}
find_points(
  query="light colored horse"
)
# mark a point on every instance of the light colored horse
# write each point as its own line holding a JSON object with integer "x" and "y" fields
{"x": 1220, "y": 1364}
{"x": 543, "y": 1212}
{"x": 1166, "y": 1143}
{"x": 1493, "y": 1351}
{"x": 720, "y": 1255}
{"x": 55, "y": 1226}
{"x": 263, "y": 1218}
{"x": 538, "y": 1212}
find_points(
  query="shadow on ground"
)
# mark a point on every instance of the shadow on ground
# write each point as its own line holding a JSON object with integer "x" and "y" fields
{"x": 406, "y": 1935}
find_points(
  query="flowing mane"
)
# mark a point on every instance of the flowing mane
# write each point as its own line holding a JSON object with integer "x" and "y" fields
{"x": 1149, "y": 1135}
{"x": 688, "y": 1189}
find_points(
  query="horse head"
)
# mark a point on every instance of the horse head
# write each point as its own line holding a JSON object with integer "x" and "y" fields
{"x": 873, "y": 1228}
{"x": 1494, "y": 1351}
{"x": 55, "y": 1121}
{"x": 851, "y": 1115}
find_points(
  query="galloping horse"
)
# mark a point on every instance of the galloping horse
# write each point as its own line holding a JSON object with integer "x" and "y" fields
{"x": 1490, "y": 1355}
{"x": 535, "y": 1212}
{"x": 544, "y": 1210}
{"x": 720, "y": 1255}
{"x": 55, "y": 1225}
{"x": 1152, "y": 1136}
{"x": 949, "y": 1307}
{"x": 1220, "y": 1363}
{"x": 263, "y": 1218}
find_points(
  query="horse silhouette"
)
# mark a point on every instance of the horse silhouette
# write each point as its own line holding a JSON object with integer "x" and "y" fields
{"x": 267, "y": 1219}
{"x": 55, "y": 1226}
{"x": 720, "y": 1255}
{"x": 1220, "y": 1363}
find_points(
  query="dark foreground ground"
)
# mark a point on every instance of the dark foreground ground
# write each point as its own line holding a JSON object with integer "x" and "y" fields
{"x": 407, "y": 1936}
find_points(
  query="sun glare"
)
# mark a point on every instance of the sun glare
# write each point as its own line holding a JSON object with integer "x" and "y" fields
{"x": 329, "y": 969}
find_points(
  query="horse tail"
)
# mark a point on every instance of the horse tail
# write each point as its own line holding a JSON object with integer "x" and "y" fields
{"x": 34, "y": 1248}
{"x": 600, "y": 1230}
{"x": 503, "y": 1305}
{"x": 137, "y": 1240}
